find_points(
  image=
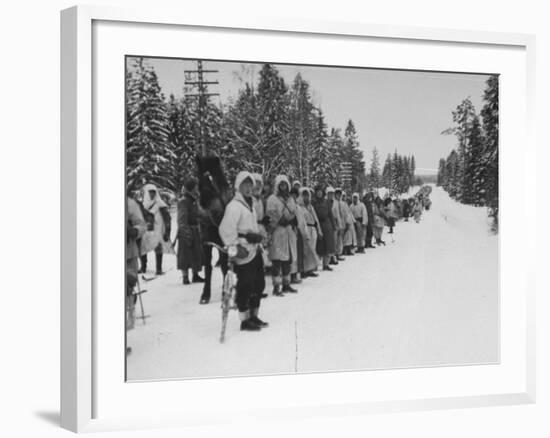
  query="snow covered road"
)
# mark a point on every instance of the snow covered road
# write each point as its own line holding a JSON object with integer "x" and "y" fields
{"x": 430, "y": 298}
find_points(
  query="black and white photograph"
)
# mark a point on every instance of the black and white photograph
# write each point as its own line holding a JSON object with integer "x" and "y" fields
{"x": 286, "y": 218}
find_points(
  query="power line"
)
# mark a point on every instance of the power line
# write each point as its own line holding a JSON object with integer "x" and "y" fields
{"x": 196, "y": 80}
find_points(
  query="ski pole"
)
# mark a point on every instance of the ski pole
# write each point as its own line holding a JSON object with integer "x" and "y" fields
{"x": 139, "y": 293}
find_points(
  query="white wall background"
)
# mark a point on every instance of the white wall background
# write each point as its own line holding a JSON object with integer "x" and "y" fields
{"x": 29, "y": 214}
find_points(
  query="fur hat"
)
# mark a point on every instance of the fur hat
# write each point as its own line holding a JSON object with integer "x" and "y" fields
{"x": 279, "y": 179}
{"x": 241, "y": 177}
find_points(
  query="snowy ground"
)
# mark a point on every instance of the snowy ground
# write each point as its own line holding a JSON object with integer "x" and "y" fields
{"x": 429, "y": 298}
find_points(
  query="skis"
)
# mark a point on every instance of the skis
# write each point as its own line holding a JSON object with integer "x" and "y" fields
{"x": 149, "y": 276}
{"x": 228, "y": 298}
{"x": 146, "y": 276}
{"x": 228, "y": 289}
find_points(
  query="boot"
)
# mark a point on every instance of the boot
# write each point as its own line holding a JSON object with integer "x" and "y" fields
{"x": 254, "y": 318}
{"x": 259, "y": 322}
{"x": 327, "y": 268}
{"x": 249, "y": 326}
{"x": 312, "y": 274}
{"x": 158, "y": 262}
{"x": 289, "y": 288}
{"x": 246, "y": 323}
{"x": 277, "y": 291}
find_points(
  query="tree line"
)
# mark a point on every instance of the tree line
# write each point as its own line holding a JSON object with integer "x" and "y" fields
{"x": 270, "y": 127}
{"x": 398, "y": 173}
{"x": 470, "y": 172}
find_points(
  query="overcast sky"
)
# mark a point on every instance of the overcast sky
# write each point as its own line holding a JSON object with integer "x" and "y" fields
{"x": 392, "y": 110}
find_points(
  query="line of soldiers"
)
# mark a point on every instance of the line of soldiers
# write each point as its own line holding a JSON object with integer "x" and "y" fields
{"x": 290, "y": 231}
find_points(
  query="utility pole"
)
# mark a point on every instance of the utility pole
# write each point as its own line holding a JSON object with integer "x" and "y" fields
{"x": 197, "y": 82}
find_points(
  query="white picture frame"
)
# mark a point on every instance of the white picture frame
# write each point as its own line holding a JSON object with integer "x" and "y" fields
{"x": 81, "y": 374}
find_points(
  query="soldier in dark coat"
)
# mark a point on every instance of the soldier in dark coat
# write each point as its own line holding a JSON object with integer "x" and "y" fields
{"x": 326, "y": 245}
{"x": 406, "y": 209}
{"x": 367, "y": 200}
{"x": 190, "y": 254}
